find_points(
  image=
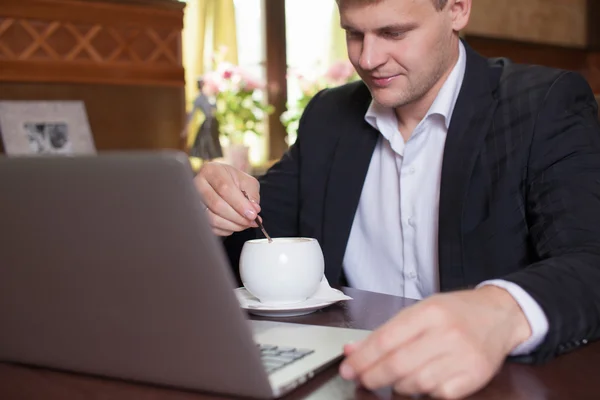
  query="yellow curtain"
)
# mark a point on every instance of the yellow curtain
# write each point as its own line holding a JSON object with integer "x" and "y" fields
{"x": 208, "y": 25}
{"x": 337, "y": 48}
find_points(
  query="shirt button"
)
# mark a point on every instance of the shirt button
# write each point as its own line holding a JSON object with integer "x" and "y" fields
{"x": 412, "y": 275}
{"x": 411, "y": 221}
{"x": 411, "y": 170}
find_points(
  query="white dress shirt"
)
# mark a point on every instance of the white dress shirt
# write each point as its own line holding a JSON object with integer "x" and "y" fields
{"x": 393, "y": 244}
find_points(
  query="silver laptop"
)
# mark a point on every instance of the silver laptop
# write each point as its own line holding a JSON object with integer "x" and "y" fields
{"x": 108, "y": 267}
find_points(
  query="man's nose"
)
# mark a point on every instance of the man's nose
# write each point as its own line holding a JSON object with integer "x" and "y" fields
{"x": 371, "y": 55}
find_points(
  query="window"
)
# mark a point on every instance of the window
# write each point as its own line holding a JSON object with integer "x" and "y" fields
{"x": 308, "y": 30}
{"x": 250, "y": 20}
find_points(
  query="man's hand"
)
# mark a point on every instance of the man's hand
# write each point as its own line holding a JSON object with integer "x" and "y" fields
{"x": 221, "y": 188}
{"x": 448, "y": 346}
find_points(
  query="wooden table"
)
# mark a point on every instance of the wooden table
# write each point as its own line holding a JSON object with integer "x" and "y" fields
{"x": 572, "y": 376}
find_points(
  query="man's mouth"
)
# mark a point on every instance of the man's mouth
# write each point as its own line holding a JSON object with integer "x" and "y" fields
{"x": 383, "y": 81}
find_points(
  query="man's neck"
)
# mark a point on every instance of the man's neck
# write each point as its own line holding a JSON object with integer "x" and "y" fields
{"x": 410, "y": 115}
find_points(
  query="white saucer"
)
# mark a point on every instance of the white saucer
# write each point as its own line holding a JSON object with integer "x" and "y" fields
{"x": 253, "y": 306}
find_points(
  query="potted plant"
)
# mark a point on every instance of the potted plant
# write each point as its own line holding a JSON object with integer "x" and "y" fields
{"x": 240, "y": 109}
{"x": 336, "y": 74}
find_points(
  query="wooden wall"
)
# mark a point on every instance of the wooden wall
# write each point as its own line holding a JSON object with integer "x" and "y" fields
{"x": 122, "y": 58}
{"x": 556, "y": 33}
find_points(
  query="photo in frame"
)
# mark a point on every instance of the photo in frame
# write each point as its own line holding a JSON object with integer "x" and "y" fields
{"x": 30, "y": 128}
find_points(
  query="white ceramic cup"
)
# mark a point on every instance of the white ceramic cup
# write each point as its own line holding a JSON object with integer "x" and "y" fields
{"x": 285, "y": 271}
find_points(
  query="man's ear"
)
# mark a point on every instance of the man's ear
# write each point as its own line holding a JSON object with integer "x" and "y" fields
{"x": 460, "y": 12}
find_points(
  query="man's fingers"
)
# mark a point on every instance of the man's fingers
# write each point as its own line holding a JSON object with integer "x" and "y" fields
{"x": 226, "y": 225}
{"x": 220, "y": 232}
{"x": 457, "y": 387}
{"x": 256, "y": 205}
{"x": 229, "y": 187}
{"x": 248, "y": 185}
{"x": 430, "y": 376}
{"x": 219, "y": 206}
{"x": 350, "y": 347}
{"x": 403, "y": 328}
{"x": 221, "y": 188}
{"x": 227, "y": 208}
{"x": 402, "y": 363}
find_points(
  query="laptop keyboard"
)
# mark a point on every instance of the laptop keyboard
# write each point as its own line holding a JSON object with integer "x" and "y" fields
{"x": 277, "y": 357}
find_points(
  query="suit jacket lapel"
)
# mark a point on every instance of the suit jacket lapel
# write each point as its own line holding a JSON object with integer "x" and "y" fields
{"x": 470, "y": 123}
{"x": 347, "y": 175}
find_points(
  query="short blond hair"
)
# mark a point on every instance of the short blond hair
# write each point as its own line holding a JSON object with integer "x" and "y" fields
{"x": 438, "y": 4}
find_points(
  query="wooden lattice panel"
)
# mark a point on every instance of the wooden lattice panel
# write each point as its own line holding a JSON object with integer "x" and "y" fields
{"x": 81, "y": 49}
{"x": 63, "y": 41}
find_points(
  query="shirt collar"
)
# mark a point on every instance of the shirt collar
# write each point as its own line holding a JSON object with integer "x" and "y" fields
{"x": 442, "y": 105}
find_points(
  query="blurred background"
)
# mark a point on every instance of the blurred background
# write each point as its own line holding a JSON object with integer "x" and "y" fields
{"x": 228, "y": 79}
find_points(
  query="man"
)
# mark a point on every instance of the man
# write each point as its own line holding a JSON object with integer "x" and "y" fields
{"x": 441, "y": 171}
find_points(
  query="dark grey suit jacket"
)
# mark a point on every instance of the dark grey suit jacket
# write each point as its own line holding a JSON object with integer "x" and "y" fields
{"x": 520, "y": 189}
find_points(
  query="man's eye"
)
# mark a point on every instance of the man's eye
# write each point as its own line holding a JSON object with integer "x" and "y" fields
{"x": 353, "y": 35}
{"x": 394, "y": 34}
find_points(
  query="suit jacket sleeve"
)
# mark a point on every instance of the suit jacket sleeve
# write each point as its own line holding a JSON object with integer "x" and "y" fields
{"x": 563, "y": 216}
{"x": 279, "y": 197}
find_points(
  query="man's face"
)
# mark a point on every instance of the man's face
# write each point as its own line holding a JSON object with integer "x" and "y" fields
{"x": 400, "y": 48}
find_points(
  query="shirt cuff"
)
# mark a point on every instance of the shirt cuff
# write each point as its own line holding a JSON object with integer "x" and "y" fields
{"x": 533, "y": 312}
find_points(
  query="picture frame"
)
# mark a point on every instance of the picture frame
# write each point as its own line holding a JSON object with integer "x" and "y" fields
{"x": 30, "y": 128}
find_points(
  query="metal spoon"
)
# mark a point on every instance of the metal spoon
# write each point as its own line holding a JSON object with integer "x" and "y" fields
{"x": 257, "y": 220}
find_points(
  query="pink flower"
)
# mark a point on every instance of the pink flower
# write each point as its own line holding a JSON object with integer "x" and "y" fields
{"x": 212, "y": 84}
{"x": 307, "y": 88}
{"x": 252, "y": 84}
{"x": 248, "y": 81}
{"x": 230, "y": 77}
{"x": 339, "y": 72}
{"x": 225, "y": 69}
